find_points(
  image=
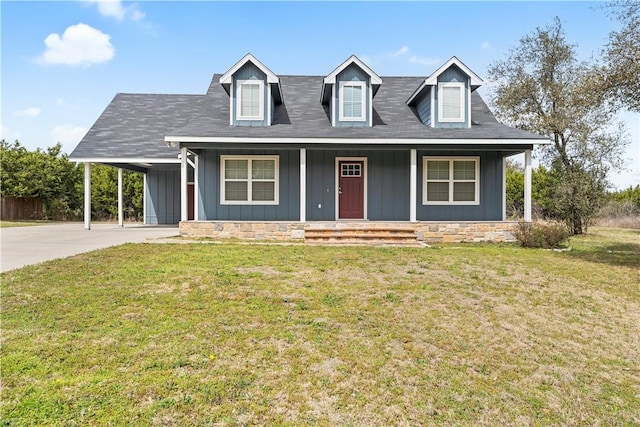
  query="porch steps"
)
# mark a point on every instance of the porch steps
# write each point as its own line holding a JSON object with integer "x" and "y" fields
{"x": 361, "y": 234}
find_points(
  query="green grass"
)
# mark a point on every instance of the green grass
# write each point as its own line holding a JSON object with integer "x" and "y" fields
{"x": 228, "y": 334}
{"x": 8, "y": 224}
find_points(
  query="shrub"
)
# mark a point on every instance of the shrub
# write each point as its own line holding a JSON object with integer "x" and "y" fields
{"x": 540, "y": 234}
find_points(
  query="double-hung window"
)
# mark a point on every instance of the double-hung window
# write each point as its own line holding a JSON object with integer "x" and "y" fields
{"x": 352, "y": 101}
{"x": 451, "y": 102}
{"x": 250, "y": 100}
{"x": 451, "y": 181}
{"x": 249, "y": 180}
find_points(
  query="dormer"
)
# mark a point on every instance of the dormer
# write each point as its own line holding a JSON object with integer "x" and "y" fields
{"x": 444, "y": 99}
{"x": 349, "y": 92}
{"x": 254, "y": 91}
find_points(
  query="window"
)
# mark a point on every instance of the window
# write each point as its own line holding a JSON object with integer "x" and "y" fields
{"x": 250, "y": 100}
{"x": 451, "y": 181}
{"x": 451, "y": 102}
{"x": 351, "y": 169}
{"x": 352, "y": 101}
{"x": 249, "y": 180}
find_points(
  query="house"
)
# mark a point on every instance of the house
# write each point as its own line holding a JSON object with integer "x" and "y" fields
{"x": 279, "y": 156}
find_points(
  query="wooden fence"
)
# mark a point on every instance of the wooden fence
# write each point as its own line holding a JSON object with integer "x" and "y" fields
{"x": 21, "y": 208}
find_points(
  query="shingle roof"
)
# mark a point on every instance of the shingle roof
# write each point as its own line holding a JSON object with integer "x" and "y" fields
{"x": 134, "y": 125}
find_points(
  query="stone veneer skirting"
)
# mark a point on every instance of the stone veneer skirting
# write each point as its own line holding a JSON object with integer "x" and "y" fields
{"x": 428, "y": 232}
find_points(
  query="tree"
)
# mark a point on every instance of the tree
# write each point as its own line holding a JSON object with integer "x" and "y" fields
{"x": 542, "y": 187}
{"x": 542, "y": 88}
{"x": 622, "y": 57}
{"x": 47, "y": 175}
{"x": 104, "y": 193}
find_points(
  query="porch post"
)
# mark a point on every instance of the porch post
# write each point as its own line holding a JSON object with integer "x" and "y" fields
{"x": 303, "y": 185}
{"x": 144, "y": 198}
{"x": 120, "y": 213}
{"x": 413, "y": 185}
{"x": 87, "y": 196}
{"x": 527, "y": 185}
{"x": 504, "y": 188}
{"x": 196, "y": 187}
{"x": 183, "y": 184}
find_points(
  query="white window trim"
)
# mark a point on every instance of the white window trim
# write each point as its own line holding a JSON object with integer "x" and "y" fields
{"x": 441, "y": 99}
{"x": 425, "y": 159}
{"x": 260, "y": 116}
{"x": 363, "y": 116}
{"x": 276, "y": 194}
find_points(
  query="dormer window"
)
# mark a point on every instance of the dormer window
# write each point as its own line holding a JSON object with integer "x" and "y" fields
{"x": 254, "y": 92}
{"x": 451, "y": 102}
{"x": 250, "y": 105}
{"x": 443, "y": 100}
{"x": 352, "y": 101}
{"x": 348, "y": 91}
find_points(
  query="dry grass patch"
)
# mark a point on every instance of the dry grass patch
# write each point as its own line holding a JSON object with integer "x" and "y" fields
{"x": 298, "y": 335}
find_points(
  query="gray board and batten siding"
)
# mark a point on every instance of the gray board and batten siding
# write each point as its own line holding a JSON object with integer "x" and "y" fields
{"x": 162, "y": 195}
{"x": 423, "y": 106}
{"x": 209, "y": 176}
{"x": 387, "y": 187}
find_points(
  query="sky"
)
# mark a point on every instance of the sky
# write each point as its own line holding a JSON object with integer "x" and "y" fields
{"x": 63, "y": 62}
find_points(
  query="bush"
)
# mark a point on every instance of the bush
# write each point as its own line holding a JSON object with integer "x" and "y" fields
{"x": 540, "y": 235}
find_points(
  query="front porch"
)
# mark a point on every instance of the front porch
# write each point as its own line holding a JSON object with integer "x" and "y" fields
{"x": 354, "y": 231}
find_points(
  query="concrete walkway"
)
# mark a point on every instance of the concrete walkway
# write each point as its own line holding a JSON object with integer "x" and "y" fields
{"x": 22, "y": 246}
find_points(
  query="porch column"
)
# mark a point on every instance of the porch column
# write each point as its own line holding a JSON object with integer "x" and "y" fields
{"x": 183, "y": 184}
{"x": 120, "y": 213}
{"x": 504, "y": 188}
{"x": 527, "y": 185}
{"x": 413, "y": 185}
{"x": 303, "y": 185}
{"x": 144, "y": 198}
{"x": 87, "y": 196}
{"x": 196, "y": 187}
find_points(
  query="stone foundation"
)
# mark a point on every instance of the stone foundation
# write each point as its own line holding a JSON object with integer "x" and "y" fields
{"x": 243, "y": 230}
{"x": 459, "y": 232}
{"x": 428, "y": 232}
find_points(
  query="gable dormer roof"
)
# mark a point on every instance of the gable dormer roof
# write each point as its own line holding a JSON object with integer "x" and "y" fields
{"x": 375, "y": 79}
{"x": 432, "y": 80}
{"x": 331, "y": 78}
{"x": 272, "y": 79}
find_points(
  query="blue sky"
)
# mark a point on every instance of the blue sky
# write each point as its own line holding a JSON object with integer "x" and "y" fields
{"x": 62, "y": 62}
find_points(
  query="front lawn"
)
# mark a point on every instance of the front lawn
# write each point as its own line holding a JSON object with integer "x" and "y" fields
{"x": 9, "y": 224}
{"x": 227, "y": 334}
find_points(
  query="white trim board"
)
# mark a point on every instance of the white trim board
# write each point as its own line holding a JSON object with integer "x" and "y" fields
{"x": 368, "y": 141}
{"x": 122, "y": 160}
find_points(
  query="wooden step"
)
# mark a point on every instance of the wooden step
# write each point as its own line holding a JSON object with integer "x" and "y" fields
{"x": 359, "y": 235}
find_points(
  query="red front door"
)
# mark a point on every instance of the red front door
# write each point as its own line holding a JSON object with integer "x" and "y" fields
{"x": 350, "y": 189}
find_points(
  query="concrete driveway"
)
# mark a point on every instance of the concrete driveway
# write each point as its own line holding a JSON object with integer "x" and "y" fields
{"x": 22, "y": 246}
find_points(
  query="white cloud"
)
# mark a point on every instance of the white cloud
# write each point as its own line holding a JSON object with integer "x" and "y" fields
{"x": 115, "y": 9}
{"x": 485, "y": 46}
{"x": 80, "y": 44}
{"x": 8, "y": 134}
{"x": 427, "y": 62}
{"x": 401, "y": 51}
{"x": 28, "y": 112}
{"x": 67, "y": 135}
